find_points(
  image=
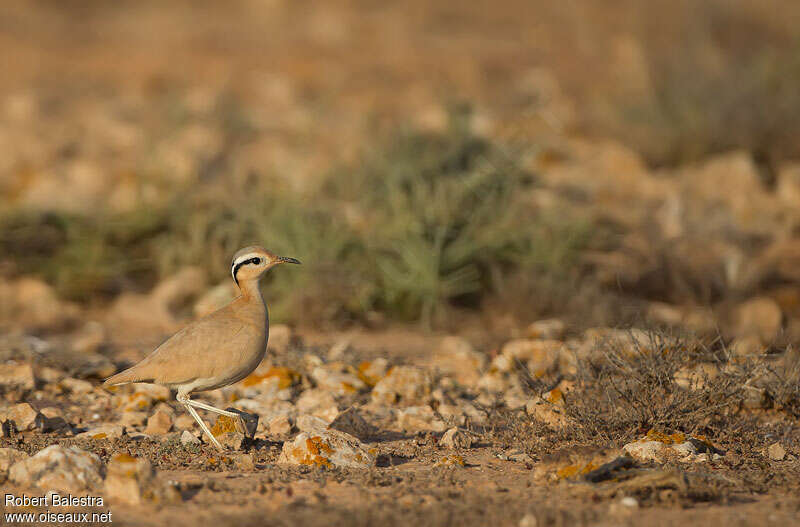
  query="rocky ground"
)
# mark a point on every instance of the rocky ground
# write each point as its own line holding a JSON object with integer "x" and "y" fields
{"x": 551, "y": 428}
{"x": 528, "y": 406}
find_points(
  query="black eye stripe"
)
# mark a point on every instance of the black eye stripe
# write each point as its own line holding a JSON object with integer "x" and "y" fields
{"x": 255, "y": 260}
{"x": 236, "y": 266}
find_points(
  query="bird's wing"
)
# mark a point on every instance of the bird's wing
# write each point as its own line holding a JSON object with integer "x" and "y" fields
{"x": 204, "y": 349}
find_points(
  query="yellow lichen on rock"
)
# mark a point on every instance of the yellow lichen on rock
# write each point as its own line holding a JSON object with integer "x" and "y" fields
{"x": 453, "y": 460}
{"x": 667, "y": 439}
{"x": 576, "y": 469}
{"x": 326, "y": 449}
{"x": 285, "y": 377}
{"x": 223, "y": 425}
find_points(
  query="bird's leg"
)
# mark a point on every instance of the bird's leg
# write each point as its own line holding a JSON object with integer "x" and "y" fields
{"x": 240, "y": 426}
{"x": 184, "y": 400}
{"x": 205, "y": 428}
{"x": 204, "y": 406}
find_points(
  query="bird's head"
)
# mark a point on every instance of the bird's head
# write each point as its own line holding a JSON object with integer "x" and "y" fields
{"x": 251, "y": 263}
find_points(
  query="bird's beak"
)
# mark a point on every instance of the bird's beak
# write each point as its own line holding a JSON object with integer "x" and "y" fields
{"x": 286, "y": 259}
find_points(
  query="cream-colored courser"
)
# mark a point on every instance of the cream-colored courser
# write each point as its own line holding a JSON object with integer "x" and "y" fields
{"x": 218, "y": 349}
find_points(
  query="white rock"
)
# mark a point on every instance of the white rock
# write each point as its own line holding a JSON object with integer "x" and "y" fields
{"x": 646, "y": 450}
{"x": 329, "y": 448}
{"x": 320, "y": 403}
{"x": 133, "y": 481}
{"x": 135, "y": 419}
{"x": 159, "y": 423}
{"x": 404, "y": 385}
{"x": 17, "y": 375}
{"x": 313, "y": 400}
{"x": 776, "y": 452}
{"x": 57, "y": 468}
{"x": 686, "y": 448}
{"x": 419, "y": 418}
{"x": 311, "y": 424}
{"x": 456, "y": 358}
{"x": 9, "y": 456}
{"x": 49, "y": 375}
{"x": 77, "y": 386}
{"x": 188, "y": 438}
{"x": 455, "y": 438}
{"x": 280, "y": 426}
{"x": 337, "y": 382}
{"x": 23, "y": 416}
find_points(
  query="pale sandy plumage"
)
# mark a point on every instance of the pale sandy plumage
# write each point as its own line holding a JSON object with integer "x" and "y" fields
{"x": 218, "y": 349}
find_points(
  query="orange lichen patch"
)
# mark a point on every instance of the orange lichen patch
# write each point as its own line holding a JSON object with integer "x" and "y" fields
{"x": 671, "y": 439}
{"x": 286, "y": 377}
{"x": 312, "y": 454}
{"x": 576, "y": 469}
{"x": 555, "y": 396}
{"x": 451, "y": 460}
{"x": 123, "y": 458}
{"x": 363, "y": 373}
{"x": 101, "y": 435}
{"x": 223, "y": 425}
{"x": 137, "y": 401}
{"x": 316, "y": 445}
{"x": 319, "y": 461}
{"x": 123, "y": 464}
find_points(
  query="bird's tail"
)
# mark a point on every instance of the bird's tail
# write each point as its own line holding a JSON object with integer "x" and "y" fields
{"x": 123, "y": 377}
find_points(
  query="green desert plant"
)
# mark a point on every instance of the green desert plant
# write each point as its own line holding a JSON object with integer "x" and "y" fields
{"x": 422, "y": 222}
{"x": 447, "y": 211}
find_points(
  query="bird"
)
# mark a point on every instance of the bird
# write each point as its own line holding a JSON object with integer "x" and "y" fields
{"x": 218, "y": 349}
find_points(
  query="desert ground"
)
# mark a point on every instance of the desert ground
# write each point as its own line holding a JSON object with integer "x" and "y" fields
{"x": 551, "y": 264}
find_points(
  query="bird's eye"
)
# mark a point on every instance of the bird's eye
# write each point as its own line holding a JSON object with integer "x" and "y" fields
{"x": 256, "y": 261}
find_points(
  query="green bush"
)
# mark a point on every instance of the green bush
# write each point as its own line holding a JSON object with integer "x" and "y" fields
{"x": 423, "y": 222}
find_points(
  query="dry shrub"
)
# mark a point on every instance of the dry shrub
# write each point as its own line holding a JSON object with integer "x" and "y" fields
{"x": 630, "y": 386}
{"x": 783, "y": 383}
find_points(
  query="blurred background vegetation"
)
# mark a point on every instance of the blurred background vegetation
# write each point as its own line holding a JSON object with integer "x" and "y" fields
{"x": 397, "y": 149}
{"x": 419, "y": 223}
